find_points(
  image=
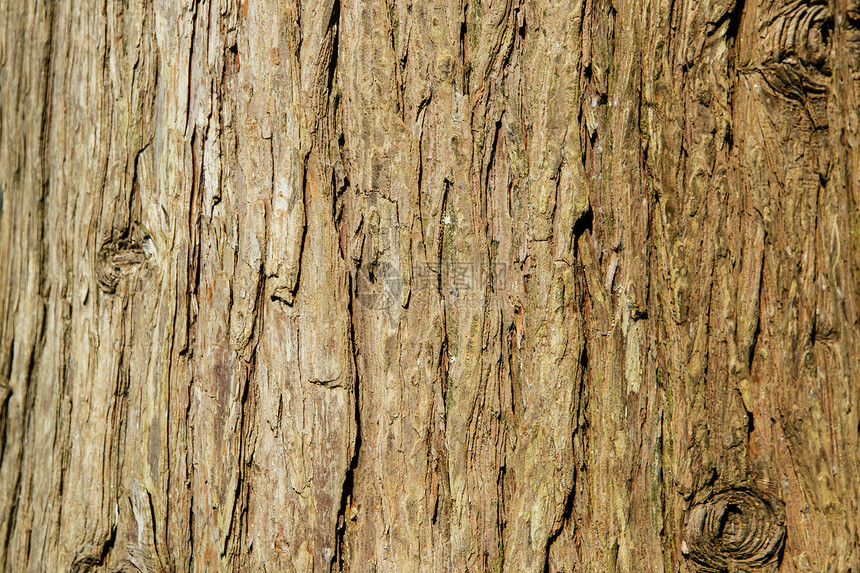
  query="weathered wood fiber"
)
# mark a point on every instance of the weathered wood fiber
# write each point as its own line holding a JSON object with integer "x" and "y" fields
{"x": 442, "y": 286}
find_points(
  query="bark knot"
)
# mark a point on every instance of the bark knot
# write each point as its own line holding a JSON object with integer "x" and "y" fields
{"x": 735, "y": 530}
{"x": 117, "y": 259}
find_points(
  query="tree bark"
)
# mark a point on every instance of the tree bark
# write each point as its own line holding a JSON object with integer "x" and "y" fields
{"x": 444, "y": 286}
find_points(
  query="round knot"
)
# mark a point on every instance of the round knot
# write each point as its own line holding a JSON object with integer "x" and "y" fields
{"x": 735, "y": 530}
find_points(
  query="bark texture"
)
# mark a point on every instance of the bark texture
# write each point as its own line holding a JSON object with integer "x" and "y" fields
{"x": 429, "y": 286}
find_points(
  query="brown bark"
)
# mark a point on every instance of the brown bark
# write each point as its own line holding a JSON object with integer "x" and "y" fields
{"x": 394, "y": 286}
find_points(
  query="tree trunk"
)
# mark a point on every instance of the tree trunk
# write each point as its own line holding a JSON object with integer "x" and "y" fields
{"x": 381, "y": 285}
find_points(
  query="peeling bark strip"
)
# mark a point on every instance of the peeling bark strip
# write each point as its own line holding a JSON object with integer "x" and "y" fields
{"x": 380, "y": 285}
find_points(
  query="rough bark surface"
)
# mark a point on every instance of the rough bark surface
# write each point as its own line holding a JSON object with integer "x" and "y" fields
{"x": 398, "y": 286}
